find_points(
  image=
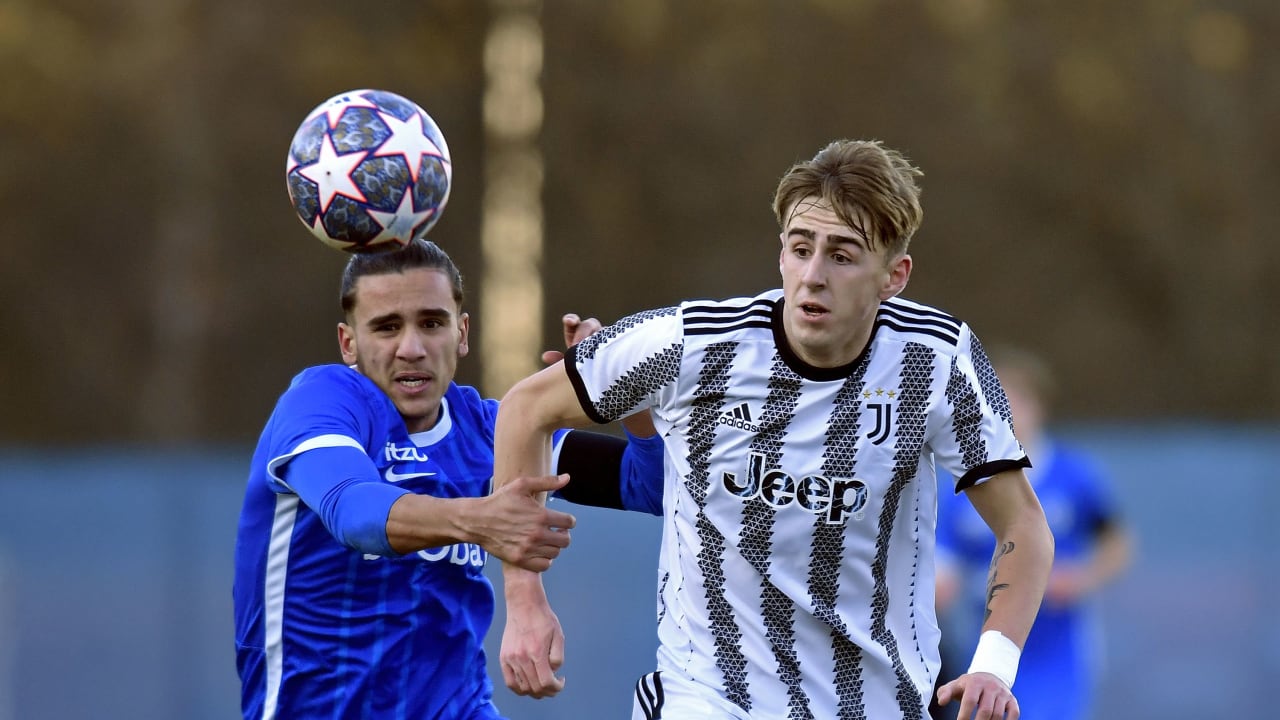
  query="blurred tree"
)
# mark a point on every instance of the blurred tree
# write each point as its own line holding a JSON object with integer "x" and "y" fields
{"x": 1098, "y": 183}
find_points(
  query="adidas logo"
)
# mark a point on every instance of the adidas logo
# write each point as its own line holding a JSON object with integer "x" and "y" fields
{"x": 739, "y": 417}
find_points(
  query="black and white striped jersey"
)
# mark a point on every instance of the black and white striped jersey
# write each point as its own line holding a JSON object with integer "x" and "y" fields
{"x": 796, "y": 573}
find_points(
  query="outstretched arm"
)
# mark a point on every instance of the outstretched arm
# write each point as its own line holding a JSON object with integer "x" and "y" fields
{"x": 1015, "y": 586}
{"x": 341, "y": 484}
{"x": 513, "y": 524}
{"x": 533, "y": 642}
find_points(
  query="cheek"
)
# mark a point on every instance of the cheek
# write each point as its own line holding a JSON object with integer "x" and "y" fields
{"x": 880, "y": 282}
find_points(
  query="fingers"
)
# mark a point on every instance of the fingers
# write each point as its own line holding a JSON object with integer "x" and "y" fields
{"x": 585, "y": 329}
{"x": 570, "y": 322}
{"x": 533, "y": 563}
{"x": 561, "y": 521}
{"x": 554, "y": 518}
{"x": 576, "y": 329}
{"x": 513, "y": 679}
{"x": 543, "y": 548}
{"x": 982, "y": 697}
{"x": 539, "y": 689}
{"x": 547, "y": 683}
{"x": 540, "y": 484}
{"x": 529, "y": 534}
{"x": 944, "y": 693}
{"x": 556, "y": 656}
{"x": 517, "y": 674}
{"x": 531, "y": 678}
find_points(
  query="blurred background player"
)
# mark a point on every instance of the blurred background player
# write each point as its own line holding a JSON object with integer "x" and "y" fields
{"x": 1061, "y": 659}
{"x": 359, "y": 585}
{"x": 801, "y": 426}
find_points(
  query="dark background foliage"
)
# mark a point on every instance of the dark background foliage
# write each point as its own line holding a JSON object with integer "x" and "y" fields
{"x": 1099, "y": 183}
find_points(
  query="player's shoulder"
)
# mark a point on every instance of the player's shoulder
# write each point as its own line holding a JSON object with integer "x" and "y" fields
{"x": 469, "y": 409}
{"x": 331, "y": 399}
{"x": 334, "y": 383}
{"x": 731, "y": 316}
{"x": 901, "y": 320}
{"x": 332, "y": 376}
{"x": 465, "y": 398}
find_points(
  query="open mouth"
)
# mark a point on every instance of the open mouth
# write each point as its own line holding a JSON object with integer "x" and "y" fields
{"x": 413, "y": 382}
{"x": 812, "y": 310}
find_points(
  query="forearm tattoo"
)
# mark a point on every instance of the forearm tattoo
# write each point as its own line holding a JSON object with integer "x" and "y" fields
{"x": 992, "y": 586}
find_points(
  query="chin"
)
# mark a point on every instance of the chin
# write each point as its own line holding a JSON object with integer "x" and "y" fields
{"x": 419, "y": 408}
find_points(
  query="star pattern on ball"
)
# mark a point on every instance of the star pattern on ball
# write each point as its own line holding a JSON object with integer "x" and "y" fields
{"x": 317, "y": 226}
{"x": 407, "y": 139}
{"x": 335, "y": 107}
{"x": 398, "y": 225}
{"x": 332, "y": 174}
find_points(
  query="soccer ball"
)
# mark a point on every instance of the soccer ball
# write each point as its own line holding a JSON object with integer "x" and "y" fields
{"x": 368, "y": 170}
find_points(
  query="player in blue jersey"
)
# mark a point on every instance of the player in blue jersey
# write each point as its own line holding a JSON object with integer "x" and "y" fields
{"x": 359, "y": 586}
{"x": 1060, "y": 661}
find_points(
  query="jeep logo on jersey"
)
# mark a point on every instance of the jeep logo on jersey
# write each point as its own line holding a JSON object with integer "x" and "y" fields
{"x": 835, "y": 498}
{"x": 395, "y": 453}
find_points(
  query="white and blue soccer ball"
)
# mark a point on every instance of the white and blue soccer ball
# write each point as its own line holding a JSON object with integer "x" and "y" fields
{"x": 368, "y": 170}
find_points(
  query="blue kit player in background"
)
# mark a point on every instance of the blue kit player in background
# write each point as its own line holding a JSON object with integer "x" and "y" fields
{"x": 367, "y": 519}
{"x": 1060, "y": 660}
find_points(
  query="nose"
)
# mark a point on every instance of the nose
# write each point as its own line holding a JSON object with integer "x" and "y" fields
{"x": 411, "y": 346}
{"x": 814, "y": 273}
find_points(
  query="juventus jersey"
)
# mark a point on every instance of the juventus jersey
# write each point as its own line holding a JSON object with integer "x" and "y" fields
{"x": 796, "y": 572}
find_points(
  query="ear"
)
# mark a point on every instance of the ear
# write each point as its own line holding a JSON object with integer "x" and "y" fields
{"x": 464, "y": 329}
{"x": 347, "y": 343}
{"x": 899, "y": 273}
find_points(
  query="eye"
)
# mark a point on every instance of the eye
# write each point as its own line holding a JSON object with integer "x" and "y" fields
{"x": 841, "y": 258}
{"x": 386, "y": 327}
{"x": 432, "y": 323}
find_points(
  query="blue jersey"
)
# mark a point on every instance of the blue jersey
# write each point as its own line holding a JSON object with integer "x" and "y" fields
{"x": 325, "y": 631}
{"x": 1057, "y": 667}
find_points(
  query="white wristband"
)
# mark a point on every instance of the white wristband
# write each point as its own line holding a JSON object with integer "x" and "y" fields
{"x": 996, "y": 654}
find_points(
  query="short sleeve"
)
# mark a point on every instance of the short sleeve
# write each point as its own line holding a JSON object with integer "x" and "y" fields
{"x": 628, "y": 366}
{"x": 974, "y": 438}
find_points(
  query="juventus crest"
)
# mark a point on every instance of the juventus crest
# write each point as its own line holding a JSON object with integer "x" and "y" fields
{"x": 882, "y": 414}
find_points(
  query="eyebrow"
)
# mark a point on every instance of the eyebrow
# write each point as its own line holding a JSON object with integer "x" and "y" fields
{"x": 847, "y": 239}
{"x": 396, "y": 316}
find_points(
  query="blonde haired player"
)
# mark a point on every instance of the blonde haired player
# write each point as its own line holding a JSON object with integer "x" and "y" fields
{"x": 803, "y": 427}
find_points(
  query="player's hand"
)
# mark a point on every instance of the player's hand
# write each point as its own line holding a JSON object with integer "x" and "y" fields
{"x": 517, "y": 527}
{"x": 982, "y": 697}
{"x": 532, "y": 642}
{"x": 575, "y": 331}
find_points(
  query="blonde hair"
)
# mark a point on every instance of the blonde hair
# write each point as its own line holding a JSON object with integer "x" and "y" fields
{"x": 871, "y": 188}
